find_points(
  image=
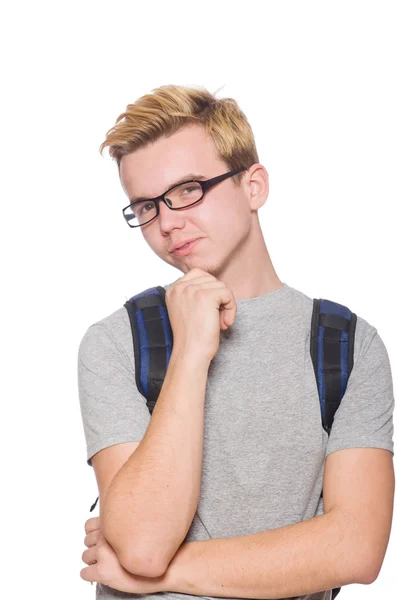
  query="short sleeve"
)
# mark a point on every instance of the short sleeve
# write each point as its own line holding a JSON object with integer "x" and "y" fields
{"x": 112, "y": 408}
{"x": 365, "y": 416}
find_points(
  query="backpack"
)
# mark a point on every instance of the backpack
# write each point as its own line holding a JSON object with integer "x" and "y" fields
{"x": 331, "y": 349}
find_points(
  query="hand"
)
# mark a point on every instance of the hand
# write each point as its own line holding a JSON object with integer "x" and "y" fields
{"x": 199, "y": 306}
{"x": 104, "y": 566}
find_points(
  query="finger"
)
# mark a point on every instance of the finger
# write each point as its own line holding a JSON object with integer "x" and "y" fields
{"x": 204, "y": 284}
{"x": 223, "y": 325}
{"x": 92, "y": 538}
{"x": 229, "y": 306}
{"x": 195, "y": 272}
{"x": 197, "y": 281}
{"x": 90, "y": 556}
{"x": 89, "y": 574}
{"x": 92, "y": 524}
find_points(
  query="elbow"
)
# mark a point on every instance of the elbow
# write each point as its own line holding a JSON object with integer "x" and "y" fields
{"x": 353, "y": 558}
{"x": 138, "y": 557}
{"x": 138, "y": 564}
{"x": 368, "y": 575}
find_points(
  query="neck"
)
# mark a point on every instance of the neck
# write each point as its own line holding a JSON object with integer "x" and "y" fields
{"x": 250, "y": 272}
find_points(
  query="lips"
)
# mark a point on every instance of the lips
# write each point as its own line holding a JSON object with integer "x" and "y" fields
{"x": 180, "y": 245}
{"x": 186, "y": 249}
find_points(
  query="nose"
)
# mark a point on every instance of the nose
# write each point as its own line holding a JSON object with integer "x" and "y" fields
{"x": 168, "y": 218}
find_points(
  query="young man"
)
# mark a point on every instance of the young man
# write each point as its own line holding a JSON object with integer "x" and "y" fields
{"x": 218, "y": 492}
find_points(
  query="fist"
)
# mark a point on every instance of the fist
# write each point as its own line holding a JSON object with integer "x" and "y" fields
{"x": 199, "y": 307}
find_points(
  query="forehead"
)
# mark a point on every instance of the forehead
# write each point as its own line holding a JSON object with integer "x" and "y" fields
{"x": 151, "y": 170}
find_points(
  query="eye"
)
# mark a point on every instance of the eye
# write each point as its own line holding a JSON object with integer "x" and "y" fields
{"x": 141, "y": 210}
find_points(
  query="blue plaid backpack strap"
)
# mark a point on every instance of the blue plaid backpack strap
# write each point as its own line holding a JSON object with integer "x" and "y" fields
{"x": 333, "y": 329}
{"x": 152, "y": 338}
{"x": 332, "y": 349}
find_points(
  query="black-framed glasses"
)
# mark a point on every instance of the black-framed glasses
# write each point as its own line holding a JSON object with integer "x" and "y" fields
{"x": 178, "y": 197}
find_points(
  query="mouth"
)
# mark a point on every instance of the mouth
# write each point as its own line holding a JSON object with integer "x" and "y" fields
{"x": 187, "y": 248}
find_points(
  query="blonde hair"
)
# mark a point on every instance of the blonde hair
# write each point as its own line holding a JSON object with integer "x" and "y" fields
{"x": 171, "y": 107}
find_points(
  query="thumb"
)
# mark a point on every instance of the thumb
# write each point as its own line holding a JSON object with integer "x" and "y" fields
{"x": 228, "y": 316}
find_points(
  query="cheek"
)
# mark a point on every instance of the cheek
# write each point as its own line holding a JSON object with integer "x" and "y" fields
{"x": 230, "y": 220}
{"x": 155, "y": 241}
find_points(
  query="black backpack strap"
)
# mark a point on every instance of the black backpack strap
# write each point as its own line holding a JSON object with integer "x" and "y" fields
{"x": 332, "y": 350}
{"x": 333, "y": 329}
{"x": 153, "y": 340}
{"x": 94, "y": 505}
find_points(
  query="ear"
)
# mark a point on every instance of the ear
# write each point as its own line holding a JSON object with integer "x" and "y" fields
{"x": 257, "y": 185}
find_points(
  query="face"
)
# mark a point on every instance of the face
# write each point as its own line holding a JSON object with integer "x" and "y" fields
{"x": 222, "y": 219}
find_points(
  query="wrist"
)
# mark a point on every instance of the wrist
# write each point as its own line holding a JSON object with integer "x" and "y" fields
{"x": 190, "y": 357}
{"x": 170, "y": 581}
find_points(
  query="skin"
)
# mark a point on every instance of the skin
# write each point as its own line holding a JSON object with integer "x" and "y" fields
{"x": 233, "y": 249}
{"x": 104, "y": 567}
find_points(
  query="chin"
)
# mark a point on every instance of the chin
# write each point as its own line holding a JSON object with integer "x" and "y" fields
{"x": 209, "y": 267}
{"x": 187, "y": 263}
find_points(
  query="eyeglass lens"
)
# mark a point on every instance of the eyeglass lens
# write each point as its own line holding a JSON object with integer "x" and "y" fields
{"x": 181, "y": 196}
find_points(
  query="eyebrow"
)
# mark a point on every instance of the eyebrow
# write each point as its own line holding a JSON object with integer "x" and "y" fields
{"x": 187, "y": 177}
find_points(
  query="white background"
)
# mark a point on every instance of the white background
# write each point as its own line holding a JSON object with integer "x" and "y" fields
{"x": 317, "y": 81}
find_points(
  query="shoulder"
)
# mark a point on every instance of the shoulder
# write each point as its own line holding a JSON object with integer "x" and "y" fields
{"x": 365, "y": 332}
{"x": 111, "y": 333}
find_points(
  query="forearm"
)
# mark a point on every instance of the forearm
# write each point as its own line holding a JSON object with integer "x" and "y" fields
{"x": 299, "y": 559}
{"x": 152, "y": 500}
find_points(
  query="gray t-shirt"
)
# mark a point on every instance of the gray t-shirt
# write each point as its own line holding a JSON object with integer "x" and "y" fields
{"x": 264, "y": 445}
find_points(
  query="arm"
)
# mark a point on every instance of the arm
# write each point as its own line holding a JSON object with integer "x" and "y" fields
{"x": 151, "y": 501}
{"x": 299, "y": 559}
{"x": 345, "y": 545}
{"x": 304, "y": 558}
